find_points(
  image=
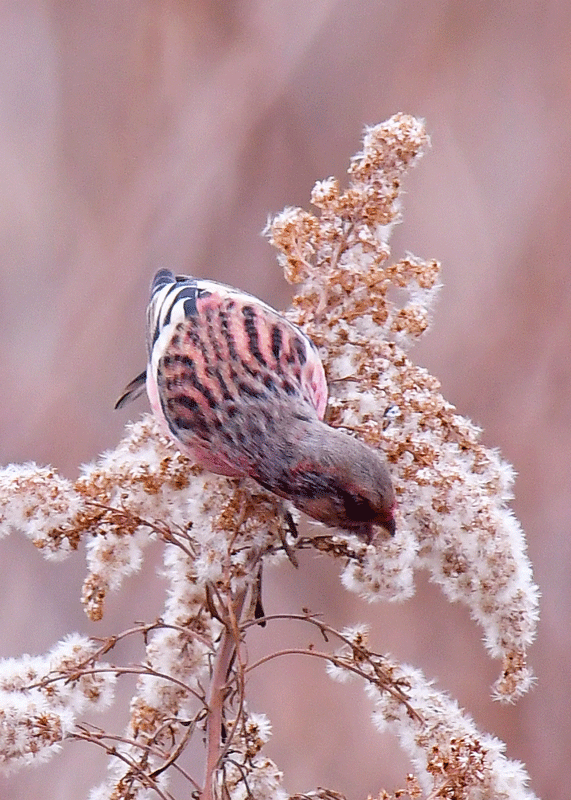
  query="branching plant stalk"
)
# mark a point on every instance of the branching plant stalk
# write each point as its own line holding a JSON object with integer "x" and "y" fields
{"x": 364, "y": 313}
{"x": 229, "y": 643}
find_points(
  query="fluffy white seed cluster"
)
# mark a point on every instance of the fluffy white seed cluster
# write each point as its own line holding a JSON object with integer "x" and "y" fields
{"x": 451, "y": 757}
{"x": 365, "y": 312}
{"x": 39, "y": 503}
{"x": 264, "y": 779}
{"x": 42, "y": 696}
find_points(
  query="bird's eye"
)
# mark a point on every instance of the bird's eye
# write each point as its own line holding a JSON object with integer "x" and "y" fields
{"x": 357, "y": 508}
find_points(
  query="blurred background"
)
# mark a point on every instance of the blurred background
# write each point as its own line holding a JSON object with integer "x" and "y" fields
{"x": 136, "y": 135}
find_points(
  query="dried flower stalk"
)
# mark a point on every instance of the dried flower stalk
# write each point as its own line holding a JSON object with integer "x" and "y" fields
{"x": 453, "y": 492}
{"x": 364, "y": 313}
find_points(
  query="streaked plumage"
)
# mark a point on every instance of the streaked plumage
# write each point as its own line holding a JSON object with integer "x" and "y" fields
{"x": 243, "y": 392}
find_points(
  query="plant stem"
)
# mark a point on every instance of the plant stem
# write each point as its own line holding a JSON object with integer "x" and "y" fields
{"x": 228, "y": 644}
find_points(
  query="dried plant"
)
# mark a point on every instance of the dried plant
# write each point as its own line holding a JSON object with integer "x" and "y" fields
{"x": 453, "y": 520}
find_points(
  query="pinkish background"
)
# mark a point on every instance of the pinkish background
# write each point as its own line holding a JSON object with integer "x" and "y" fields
{"x": 135, "y": 135}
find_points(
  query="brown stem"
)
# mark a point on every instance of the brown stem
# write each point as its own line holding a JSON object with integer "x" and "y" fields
{"x": 228, "y": 644}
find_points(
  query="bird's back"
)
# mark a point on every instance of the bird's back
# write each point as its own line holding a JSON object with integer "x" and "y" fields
{"x": 225, "y": 367}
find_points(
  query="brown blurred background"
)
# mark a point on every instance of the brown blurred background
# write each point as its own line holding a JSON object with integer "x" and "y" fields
{"x": 135, "y": 135}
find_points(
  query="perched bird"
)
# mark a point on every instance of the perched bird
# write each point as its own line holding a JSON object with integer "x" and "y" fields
{"x": 242, "y": 391}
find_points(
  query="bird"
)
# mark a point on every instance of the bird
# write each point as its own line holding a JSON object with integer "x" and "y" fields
{"x": 242, "y": 391}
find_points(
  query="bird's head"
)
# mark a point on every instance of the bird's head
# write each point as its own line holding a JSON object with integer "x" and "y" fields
{"x": 344, "y": 483}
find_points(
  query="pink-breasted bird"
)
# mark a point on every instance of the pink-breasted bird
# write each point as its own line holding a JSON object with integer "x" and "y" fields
{"x": 242, "y": 391}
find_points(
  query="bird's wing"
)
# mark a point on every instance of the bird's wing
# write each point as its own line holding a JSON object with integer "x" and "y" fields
{"x": 230, "y": 330}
